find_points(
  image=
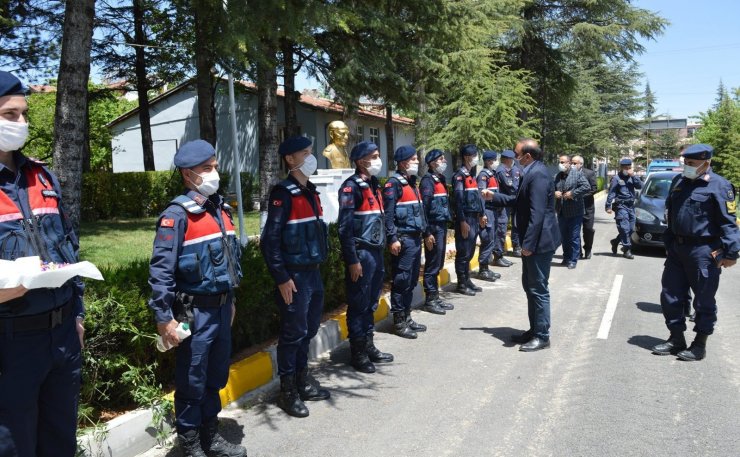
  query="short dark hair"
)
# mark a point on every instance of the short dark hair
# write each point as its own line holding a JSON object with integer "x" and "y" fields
{"x": 534, "y": 151}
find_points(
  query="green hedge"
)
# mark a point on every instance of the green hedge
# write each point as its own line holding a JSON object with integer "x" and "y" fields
{"x": 123, "y": 370}
{"x": 141, "y": 194}
{"x": 600, "y": 182}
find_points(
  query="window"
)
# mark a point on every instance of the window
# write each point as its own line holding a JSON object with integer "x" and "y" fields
{"x": 360, "y": 133}
{"x": 375, "y": 135}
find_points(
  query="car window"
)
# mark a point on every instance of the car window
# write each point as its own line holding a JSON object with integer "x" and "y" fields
{"x": 657, "y": 188}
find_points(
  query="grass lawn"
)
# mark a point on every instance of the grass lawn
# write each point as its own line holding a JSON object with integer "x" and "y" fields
{"x": 117, "y": 242}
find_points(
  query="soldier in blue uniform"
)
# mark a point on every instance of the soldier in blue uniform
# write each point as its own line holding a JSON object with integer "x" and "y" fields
{"x": 621, "y": 201}
{"x": 362, "y": 238}
{"x": 469, "y": 217}
{"x": 40, "y": 329}
{"x": 434, "y": 197}
{"x": 294, "y": 244}
{"x": 701, "y": 238}
{"x": 404, "y": 225}
{"x": 508, "y": 175}
{"x": 491, "y": 246}
{"x": 193, "y": 272}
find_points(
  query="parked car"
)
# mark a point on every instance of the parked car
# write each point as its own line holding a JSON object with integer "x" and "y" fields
{"x": 650, "y": 221}
{"x": 663, "y": 165}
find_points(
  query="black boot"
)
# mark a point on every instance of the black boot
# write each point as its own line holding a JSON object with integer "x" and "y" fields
{"x": 413, "y": 325}
{"x": 289, "y": 399}
{"x": 401, "y": 328}
{"x": 215, "y": 445}
{"x": 441, "y": 303}
{"x": 360, "y": 360}
{"x": 374, "y": 353}
{"x": 309, "y": 388}
{"x": 471, "y": 284}
{"x": 615, "y": 245}
{"x": 431, "y": 304}
{"x": 673, "y": 345}
{"x": 485, "y": 274}
{"x": 462, "y": 286}
{"x": 517, "y": 252}
{"x": 190, "y": 444}
{"x": 628, "y": 254}
{"x": 500, "y": 261}
{"x": 697, "y": 350}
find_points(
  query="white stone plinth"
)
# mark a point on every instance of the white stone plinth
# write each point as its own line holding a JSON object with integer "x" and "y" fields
{"x": 328, "y": 182}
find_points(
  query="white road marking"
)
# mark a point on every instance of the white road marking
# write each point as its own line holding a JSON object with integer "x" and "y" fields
{"x": 611, "y": 307}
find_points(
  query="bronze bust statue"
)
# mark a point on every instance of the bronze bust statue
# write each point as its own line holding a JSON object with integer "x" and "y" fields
{"x": 336, "y": 150}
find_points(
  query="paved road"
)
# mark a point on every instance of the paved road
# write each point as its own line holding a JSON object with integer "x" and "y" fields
{"x": 462, "y": 389}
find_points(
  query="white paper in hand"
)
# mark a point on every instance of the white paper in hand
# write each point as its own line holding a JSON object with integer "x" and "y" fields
{"x": 26, "y": 271}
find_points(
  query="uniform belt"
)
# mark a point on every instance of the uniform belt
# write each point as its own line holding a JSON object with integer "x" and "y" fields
{"x": 312, "y": 267}
{"x": 625, "y": 202}
{"x": 695, "y": 239}
{"x": 209, "y": 301}
{"x": 48, "y": 320}
{"x": 410, "y": 235}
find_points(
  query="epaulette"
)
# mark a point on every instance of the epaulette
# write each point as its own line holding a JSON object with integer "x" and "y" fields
{"x": 401, "y": 179}
{"x": 292, "y": 188}
{"x": 188, "y": 204}
{"x": 360, "y": 182}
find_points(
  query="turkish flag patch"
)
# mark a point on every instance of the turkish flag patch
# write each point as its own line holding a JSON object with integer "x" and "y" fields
{"x": 347, "y": 189}
{"x": 277, "y": 203}
{"x": 167, "y": 223}
{"x": 388, "y": 184}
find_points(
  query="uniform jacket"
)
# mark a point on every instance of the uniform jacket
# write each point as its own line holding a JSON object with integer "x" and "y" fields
{"x": 508, "y": 181}
{"x": 487, "y": 180}
{"x": 33, "y": 223}
{"x": 468, "y": 199}
{"x": 435, "y": 198}
{"x": 575, "y": 182}
{"x": 623, "y": 190}
{"x": 195, "y": 252}
{"x": 360, "y": 218}
{"x": 703, "y": 207}
{"x": 402, "y": 205}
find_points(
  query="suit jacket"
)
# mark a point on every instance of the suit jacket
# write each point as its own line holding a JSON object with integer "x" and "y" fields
{"x": 590, "y": 175}
{"x": 534, "y": 210}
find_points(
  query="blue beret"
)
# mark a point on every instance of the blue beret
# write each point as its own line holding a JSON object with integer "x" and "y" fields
{"x": 508, "y": 154}
{"x": 193, "y": 153}
{"x": 489, "y": 155}
{"x": 433, "y": 155}
{"x": 625, "y": 161}
{"x": 698, "y": 152}
{"x": 468, "y": 150}
{"x": 362, "y": 149}
{"x": 404, "y": 153}
{"x": 10, "y": 85}
{"x": 293, "y": 145}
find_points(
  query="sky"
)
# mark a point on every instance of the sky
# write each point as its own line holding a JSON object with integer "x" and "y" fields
{"x": 700, "y": 47}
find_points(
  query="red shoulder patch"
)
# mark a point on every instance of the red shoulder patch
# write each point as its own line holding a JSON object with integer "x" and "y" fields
{"x": 167, "y": 223}
{"x": 277, "y": 203}
{"x": 459, "y": 178}
{"x": 389, "y": 184}
{"x": 347, "y": 189}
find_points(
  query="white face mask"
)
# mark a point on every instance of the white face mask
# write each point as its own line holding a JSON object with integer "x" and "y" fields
{"x": 375, "y": 166}
{"x": 308, "y": 166}
{"x": 441, "y": 168}
{"x": 474, "y": 162}
{"x": 562, "y": 167}
{"x": 495, "y": 165}
{"x": 209, "y": 186}
{"x": 413, "y": 169}
{"x": 691, "y": 172}
{"x": 13, "y": 135}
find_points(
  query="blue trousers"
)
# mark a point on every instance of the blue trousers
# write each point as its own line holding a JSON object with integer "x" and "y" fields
{"x": 434, "y": 258}
{"x": 40, "y": 388}
{"x": 405, "y": 271}
{"x": 535, "y": 278}
{"x": 465, "y": 247}
{"x": 490, "y": 243}
{"x": 625, "y": 217}
{"x": 690, "y": 267}
{"x": 363, "y": 295}
{"x": 202, "y": 367}
{"x": 570, "y": 232}
{"x": 299, "y": 321}
{"x": 503, "y": 226}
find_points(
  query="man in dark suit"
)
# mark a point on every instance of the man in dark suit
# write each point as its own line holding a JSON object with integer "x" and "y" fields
{"x": 588, "y": 201}
{"x": 537, "y": 225}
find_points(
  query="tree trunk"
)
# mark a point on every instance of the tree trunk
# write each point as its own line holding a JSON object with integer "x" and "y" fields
{"x": 71, "y": 103}
{"x": 389, "y": 139}
{"x": 351, "y": 106}
{"x": 290, "y": 101}
{"x": 203, "y": 64}
{"x": 420, "y": 124}
{"x": 268, "y": 127}
{"x": 142, "y": 86}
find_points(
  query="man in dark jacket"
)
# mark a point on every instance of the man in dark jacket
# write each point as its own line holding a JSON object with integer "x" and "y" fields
{"x": 570, "y": 187}
{"x": 588, "y": 206}
{"x": 534, "y": 212}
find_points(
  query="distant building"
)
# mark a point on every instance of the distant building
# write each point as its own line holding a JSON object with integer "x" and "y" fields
{"x": 663, "y": 124}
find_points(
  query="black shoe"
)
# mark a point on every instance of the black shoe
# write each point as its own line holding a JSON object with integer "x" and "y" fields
{"x": 517, "y": 252}
{"x": 485, "y": 274}
{"x": 564, "y": 262}
{"x": 496, "y": 275}
{"x": 360, "y": 360}
{"x": 415, "y": 326}
{"x": 463, "y": 288}
{"x": 521, "y": 338}
{"x": 216, "y": 445}
{"x": 615, "y": 245}
{"x": 571, "y": 265}
{"x": 535, "y": 344}
{"x": 433, "y": 307}
{"x": 472, "y": 286}
{"x": 375, "y": 355}
{"x": 673, "y": 345}
{"x": 587, "y": 254}
{"x": 447, "y": 306}
{"x": 190, "y": 444}
{"x": 309, "y": 388}
{"x": 501, "y": 262}
{"x": 289, "y": 399}
{"x": 401, "y": 328}
{"x": 628, "y": 254}
{"x": 697, "y": 350}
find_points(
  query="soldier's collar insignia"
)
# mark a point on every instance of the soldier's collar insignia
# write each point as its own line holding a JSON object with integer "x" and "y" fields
{"x": 199, "y": 199}
{"x": 731, "y": 206}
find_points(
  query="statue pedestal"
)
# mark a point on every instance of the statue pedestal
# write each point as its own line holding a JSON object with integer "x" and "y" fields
{"x": 328, "y": 183}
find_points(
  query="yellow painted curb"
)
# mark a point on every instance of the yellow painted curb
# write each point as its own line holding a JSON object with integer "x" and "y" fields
{"x": 382, "y": 311}
{"x": 246, "y": 375}
{"x": 443, "y": 278}
{"x": 342, "y": 323}
{"x": 474, "y": 260}
{"x": 508, "y": 246}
